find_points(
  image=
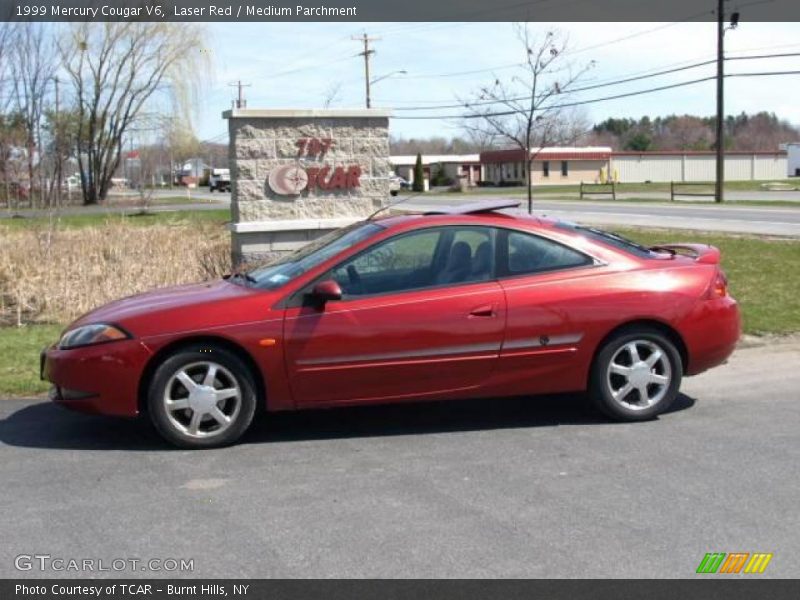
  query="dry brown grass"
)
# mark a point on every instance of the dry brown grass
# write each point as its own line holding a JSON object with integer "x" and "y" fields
{"x": 54, "y": 275}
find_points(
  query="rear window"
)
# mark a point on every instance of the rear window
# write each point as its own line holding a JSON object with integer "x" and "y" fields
{"x": 608, "y": 237}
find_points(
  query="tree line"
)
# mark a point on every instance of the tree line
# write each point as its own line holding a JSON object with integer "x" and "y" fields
{"x": 758, "y": 132}
{"x": 762, "y": 131}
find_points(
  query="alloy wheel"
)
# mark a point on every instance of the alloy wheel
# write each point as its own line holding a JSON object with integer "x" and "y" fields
{"x": 639, "y": 375}
{"x": 202, "y": 399}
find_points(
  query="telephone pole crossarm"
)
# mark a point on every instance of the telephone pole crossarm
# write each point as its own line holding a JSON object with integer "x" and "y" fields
{"x": 367, "y": 52}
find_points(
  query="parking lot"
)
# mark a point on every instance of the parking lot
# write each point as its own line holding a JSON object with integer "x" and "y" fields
{"x": 511, "y": 488}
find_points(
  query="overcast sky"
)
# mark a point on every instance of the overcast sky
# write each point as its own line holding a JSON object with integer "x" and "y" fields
{"x": 295, "y": 65}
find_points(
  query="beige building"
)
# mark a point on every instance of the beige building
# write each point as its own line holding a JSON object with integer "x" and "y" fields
{"x": 550, "y": 165}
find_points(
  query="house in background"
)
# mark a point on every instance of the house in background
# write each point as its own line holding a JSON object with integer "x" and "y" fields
{"x": 193, "y": 172}
{"x": 453, "y": 167}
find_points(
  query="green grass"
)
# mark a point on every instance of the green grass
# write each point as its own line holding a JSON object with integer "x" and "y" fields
{"x": 764, "y": 277}
{"x": 657, "y": 186}
{"x": 19, "y": 358}
{"x": 709, "y": 202}
{"x": 74, "y": 221}
{"x": 133, "y": 201}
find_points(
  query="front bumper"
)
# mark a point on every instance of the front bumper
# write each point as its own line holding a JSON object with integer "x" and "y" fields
{"x": 101, "y": 379}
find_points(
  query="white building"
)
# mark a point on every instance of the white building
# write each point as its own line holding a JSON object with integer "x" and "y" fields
{"x": 454, "y": 166}
{"x": 793, "y": 160}
{"x": 685, "y": 165}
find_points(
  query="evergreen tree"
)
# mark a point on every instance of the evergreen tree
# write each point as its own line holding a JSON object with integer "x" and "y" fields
{"x": 419, "y": 176}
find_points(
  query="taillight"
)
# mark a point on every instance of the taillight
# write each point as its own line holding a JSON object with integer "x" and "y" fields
{"x": 719, "y": 287}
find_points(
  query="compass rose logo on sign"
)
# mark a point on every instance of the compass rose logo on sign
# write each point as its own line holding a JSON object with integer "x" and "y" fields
{"x": 288, "y": 180}
{"x": 293, "y": 179}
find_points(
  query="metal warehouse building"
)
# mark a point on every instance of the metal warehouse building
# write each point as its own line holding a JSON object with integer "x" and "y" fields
{"x": 696, "y": 166}
{"x": 599, "y": 164}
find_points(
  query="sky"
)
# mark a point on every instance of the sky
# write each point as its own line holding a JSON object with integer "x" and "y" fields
{"x": 297, "y": 65}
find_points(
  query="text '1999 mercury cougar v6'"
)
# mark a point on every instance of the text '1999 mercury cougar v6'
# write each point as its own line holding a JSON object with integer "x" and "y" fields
{"x": 466, "y": 302}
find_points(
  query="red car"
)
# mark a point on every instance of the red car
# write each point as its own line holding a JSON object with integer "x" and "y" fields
{"x": 465, "y": 302}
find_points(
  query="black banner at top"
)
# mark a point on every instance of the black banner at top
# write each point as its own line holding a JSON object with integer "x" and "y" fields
{"x": 597, "y": 11}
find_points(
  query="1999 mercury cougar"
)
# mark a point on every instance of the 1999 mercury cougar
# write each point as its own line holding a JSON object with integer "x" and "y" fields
{"x": 470, "y": 301}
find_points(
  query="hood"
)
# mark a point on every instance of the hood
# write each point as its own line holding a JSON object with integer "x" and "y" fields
{"x": 179, "y": 308}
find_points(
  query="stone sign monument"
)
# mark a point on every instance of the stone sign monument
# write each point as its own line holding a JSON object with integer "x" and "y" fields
{"x": 297, "y": 174}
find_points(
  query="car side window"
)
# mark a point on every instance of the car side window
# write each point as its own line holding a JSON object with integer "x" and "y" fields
{"x": 400, "y": 263}
{"x": 427, "y": 258}
{"x": 527, "y": 253}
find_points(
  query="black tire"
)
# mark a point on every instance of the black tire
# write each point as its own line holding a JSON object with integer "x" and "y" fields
{"x": 629, "y": 406}
{"x": 232, "y": 375}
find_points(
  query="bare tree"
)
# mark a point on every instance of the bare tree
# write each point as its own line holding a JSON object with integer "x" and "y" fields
{"x": 332, "y": 94}
{"x": 114, "y": 69}
{"x": 33, "y": 64}
{"x": 526, "y": 110}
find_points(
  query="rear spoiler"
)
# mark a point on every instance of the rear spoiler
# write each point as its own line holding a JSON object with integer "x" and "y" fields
{"x": 702, "y": 253}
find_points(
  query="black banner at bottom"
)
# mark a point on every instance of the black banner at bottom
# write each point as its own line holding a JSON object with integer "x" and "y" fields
{"x": 707, "y": 588}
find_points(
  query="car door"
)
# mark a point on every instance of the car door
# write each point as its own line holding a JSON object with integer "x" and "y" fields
{"x": 549, "y": 289}
{"x": 421, "y": 314}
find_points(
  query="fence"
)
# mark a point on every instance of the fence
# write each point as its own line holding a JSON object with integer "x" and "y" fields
{"x": 675, "y": 189}
{"x": 598, "y": 189}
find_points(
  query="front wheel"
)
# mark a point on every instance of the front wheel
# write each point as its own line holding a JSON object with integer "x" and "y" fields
{"x": 202, "y": 397}
{"x": 636, "y": 375}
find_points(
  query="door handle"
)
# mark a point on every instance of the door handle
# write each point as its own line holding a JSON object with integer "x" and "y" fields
{"x": 482, "y": 311}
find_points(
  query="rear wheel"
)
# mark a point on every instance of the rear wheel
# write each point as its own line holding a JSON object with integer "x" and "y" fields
{"x": 202, "y": 397}
{"x": 636, "y": 375}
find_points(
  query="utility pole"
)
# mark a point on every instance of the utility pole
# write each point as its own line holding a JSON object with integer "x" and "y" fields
{"x": 58, "y": 147}
{"x": 366, "y": 54}
{"x": 720, "y": 181}
{"x": 721, "y": 29}
{"x": 240, "y": 101}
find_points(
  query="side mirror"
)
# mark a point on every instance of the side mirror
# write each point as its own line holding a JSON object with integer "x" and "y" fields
{"x": 327, "y": 290}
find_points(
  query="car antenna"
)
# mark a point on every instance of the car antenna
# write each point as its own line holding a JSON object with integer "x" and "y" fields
{"x": 392, "y": 205}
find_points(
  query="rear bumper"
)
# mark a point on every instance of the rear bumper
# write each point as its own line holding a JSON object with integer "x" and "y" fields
{"x": 102, "y": 379}
{"x": 711, "y": 333}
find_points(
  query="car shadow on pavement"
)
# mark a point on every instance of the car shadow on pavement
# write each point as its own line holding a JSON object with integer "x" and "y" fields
{"x": 44, "y": 425}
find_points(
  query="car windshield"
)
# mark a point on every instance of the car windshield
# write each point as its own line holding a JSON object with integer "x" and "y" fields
{"x": 287, "y": 267}
{"x": 608, "y": 237}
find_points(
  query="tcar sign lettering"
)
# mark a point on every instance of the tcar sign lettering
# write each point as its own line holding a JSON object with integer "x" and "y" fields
{"x": 293, "y": 179}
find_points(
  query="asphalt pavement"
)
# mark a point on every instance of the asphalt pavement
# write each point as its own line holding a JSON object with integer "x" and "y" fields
{"x": 762, "y": 220}
{"x": 766, "y": 220}
{"x": 493, "y": 488}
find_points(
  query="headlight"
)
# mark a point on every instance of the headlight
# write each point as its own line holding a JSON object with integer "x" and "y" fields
{"x": 86, "y": 335}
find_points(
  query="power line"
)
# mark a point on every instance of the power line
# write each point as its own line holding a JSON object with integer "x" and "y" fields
{"x": 600, "y": 85}
{"x": 575, "y": 90}
{"x": 603, "y": 99}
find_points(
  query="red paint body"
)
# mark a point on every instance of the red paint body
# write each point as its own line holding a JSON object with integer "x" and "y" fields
{"x": 523, "y": 335}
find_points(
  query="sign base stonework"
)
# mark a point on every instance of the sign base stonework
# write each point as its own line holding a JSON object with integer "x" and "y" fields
{"x": 297, "y": 174}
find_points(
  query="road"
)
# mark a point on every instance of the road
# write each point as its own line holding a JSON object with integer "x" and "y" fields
{"x": 784, "y": 222}
{"x": 512, "y": 488}
{"x": 775, "y": 221}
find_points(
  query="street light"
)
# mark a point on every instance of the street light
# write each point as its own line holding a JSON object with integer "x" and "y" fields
{"x": 371, "y": 82}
